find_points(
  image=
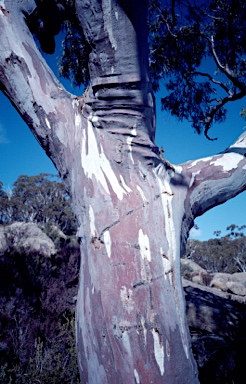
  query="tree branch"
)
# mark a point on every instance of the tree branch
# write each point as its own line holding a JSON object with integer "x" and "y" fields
{"x": 220, "y": 102}
{"x": 225, "y": 69}
{"x": 30, "y": 85}
{"x": 216, "y": 179}
{"x": 216, "y": 108}
{"x": 219, "y": 83}
{"x": 169, "y": 28}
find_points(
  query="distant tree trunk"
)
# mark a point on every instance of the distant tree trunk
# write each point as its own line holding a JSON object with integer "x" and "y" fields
{"x": 134, "y": 209}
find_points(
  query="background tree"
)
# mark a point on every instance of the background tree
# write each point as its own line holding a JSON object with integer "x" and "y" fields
{"x": 222, "y": 254}
{"x": 40, "y": 199}
{"x": 134, "y": 209}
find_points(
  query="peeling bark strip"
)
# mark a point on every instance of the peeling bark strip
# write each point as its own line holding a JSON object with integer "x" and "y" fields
{"x": 133, "y": 208}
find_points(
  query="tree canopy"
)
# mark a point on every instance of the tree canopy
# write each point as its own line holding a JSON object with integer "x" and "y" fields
{"x": 49, "y": 19}
{"x": 39, "y": 199}
{"x": 221, "y": 254}
{"x": 196, "y": 49}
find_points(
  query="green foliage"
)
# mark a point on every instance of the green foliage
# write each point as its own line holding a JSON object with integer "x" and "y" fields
{"x": 243, "y": 113}
{"x": 40, "y": 199}
{"x": 49, "y": 19}
{"x": 236, "y": 231}
{"x": 199, "y": 48}
{"x": 73, "y": 63}
{"x": 222, "y": 254}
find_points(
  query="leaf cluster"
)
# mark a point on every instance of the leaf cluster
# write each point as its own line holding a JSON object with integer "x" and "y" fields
{"x": 73, "y": 63}
{"x": 40, "y": 199}
{"x": 49, "y": 19}
{"x": 198, "y": 49}
{"x": 221, "y": 254}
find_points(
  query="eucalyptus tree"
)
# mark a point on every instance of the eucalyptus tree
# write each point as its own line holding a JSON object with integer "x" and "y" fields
{"x": 40, "y": 199}
{"x": 134, "y": 209}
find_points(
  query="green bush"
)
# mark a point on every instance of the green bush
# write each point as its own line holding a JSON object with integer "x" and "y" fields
{"x": 224, "y": 254}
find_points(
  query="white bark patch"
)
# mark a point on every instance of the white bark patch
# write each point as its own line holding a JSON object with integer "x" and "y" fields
{"x": 136, "y": 375}
{"x": 167, "y": 267}
{"x": 95, "y": 120}
{"x": 193, "y": 178}
{"x": 168, "y": 352}
{"x": 124, "y": 184}
{"x": 144, "y": 330}
{"x": 158, "y": 350}
{"x": 126, "y": 343}
{"x": 142, "y": 194}
{"x": 173, "y": 248}
{"x": 92, "y": 222}
{"x": 75, "y": 103}
{"x": 178, "y": 169}
{"x": 144, "y": 245}
{"x": 126, "y": 298}
{"x": 61, "y": 135}
{"x": 240, "y": 142}
{"x": 167, "y": 197}
{"x": 107, "y": 242}
{"x": 78, "y": 120}
{"x": 228, "y": 161}
{"x": 47, "y": 123}
{"x": 94, "y": 162}
{"x": 129, "y": 142}
{"x": 195, "y": 162}
{"x": 108, "y": 27}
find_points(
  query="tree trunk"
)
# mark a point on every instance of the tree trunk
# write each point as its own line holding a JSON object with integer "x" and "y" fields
{"x": 134, "y": 209}
{"x": 130, "y": 316}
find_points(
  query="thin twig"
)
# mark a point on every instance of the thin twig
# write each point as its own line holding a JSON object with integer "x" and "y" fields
{"x": 222, "y": 85}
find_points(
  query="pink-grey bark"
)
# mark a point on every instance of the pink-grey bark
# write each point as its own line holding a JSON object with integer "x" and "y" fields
{"x": 134, "y": 209}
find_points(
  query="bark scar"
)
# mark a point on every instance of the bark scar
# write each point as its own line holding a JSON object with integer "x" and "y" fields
{"x": 13, "y": 58}
{"x": 108, "y": 228}
{"x": 96, "y": 241}
{"x": 4, "y": 10}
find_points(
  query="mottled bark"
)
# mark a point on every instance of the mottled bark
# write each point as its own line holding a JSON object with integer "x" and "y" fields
{"x": 133, "y": 208}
